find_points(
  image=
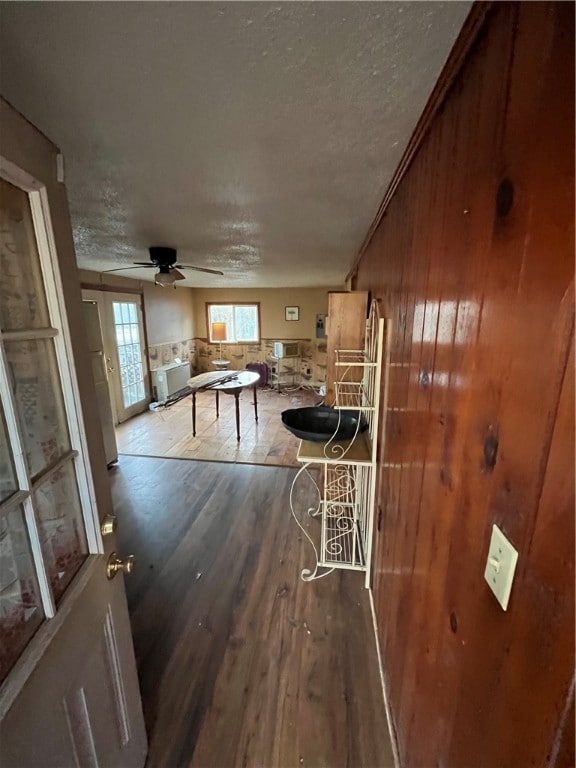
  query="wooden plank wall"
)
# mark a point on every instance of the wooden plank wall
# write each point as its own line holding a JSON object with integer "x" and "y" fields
{"x": 473, "y": 262}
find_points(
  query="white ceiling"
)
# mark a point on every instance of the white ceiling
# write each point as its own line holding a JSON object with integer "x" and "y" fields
{"x": 255, "y": 137}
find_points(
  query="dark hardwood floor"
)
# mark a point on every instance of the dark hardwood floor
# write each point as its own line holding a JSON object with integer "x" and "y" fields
{"x": 240, "y": 662}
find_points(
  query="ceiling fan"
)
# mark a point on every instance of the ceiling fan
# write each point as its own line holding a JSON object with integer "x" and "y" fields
{"x": 164, "y": 260}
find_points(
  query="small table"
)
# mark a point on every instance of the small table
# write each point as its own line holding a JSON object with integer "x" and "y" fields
{"x": 234, "y": 383}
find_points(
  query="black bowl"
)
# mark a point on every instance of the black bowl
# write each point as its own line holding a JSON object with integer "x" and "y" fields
{"x": 321, "y": 423}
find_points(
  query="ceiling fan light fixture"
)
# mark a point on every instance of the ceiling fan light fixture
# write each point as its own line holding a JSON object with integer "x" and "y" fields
{"x": 165, "y": 278}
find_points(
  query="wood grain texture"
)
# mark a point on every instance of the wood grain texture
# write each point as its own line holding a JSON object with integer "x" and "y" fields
{"x": 240, "y": 662}
{"x": 473, "y": 261}
{"x": 345, "y": 329}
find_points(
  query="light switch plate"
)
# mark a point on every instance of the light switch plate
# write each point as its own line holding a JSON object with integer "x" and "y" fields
{"x": 500, "y": 566}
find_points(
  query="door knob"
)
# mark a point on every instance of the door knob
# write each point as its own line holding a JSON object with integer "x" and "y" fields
{"x": 116, "y": 564}
{"x": 108, "y": 525}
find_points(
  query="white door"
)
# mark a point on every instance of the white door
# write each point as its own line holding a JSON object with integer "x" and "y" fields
{"x": 97, "y": 357}
{"x": 69, "y": 695}
{"x": 123, "y": 335}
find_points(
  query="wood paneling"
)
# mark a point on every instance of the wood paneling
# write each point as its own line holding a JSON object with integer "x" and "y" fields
{"x": 345, "y": 329}
{"x": 473, "y": 261}
{"x": 241, "y": 663}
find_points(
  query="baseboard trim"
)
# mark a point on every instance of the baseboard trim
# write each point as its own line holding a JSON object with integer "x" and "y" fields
{"x": 391, "y": 729}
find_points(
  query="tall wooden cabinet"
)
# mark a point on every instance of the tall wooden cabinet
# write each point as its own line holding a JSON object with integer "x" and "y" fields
{"x": 345, "y": 329}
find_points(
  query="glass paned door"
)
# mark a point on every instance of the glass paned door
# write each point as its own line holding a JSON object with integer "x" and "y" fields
{"x": 44, "y": 485}
{"x": 68, "y": 682}
{"x": 21, "y": 611}
{"x": 33, "y": 371}
{"x": 22, "y": 297}
{"x": 60, "y": 527}
{"x": 122, "y": 329}
{"x": 129, "y": 346}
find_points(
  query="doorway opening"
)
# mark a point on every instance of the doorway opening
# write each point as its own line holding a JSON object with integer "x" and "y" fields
{"x": 123, "y": 348}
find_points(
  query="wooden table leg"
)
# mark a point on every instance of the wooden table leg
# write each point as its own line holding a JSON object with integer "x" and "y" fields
{"x": 237, "y": 399}
{"x": 255, "y": 404}
{"x": 217, "y": 403}
{"x": 193, "y": 414}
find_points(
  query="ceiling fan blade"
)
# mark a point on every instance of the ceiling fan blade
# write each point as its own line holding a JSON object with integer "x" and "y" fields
{"x": 144, "y": 264}
{"x": 118, "y": 269}
{"x": 200, "y": 269}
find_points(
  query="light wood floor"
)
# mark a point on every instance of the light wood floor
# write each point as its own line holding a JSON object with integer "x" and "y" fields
{"x": 240, "y": 662}
{"x": 168, "y": 433}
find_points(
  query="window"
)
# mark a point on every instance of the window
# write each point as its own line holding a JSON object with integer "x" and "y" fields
{"x": 242, "y": 322}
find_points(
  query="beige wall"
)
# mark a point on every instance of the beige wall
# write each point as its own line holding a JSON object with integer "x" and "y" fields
{"x": 169, "y": 312}
{"x": 312, "y": 302}
{"x": 176, "y": 319}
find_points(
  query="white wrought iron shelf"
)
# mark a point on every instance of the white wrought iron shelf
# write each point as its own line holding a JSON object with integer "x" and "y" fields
{"x": 352, "y": 394}
{"x": 348, "y": 467}
{"x": 355, "y": 451}
{"x": 354, "y": 357}
{"x": 341, "y": 545}
{"x": 340, "y": 482}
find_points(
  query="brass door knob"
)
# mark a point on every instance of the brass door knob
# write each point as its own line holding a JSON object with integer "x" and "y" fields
{"x": 117, "y": 564}
{"x": 108, "y": 525}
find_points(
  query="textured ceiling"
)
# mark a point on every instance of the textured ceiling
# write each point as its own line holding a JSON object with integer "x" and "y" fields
{"x": 257, "y": 138}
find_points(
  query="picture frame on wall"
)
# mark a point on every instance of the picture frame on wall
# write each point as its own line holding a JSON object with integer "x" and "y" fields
{"x": 292, "y": 313}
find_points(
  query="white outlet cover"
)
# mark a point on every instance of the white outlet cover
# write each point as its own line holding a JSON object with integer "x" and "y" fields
{"x": 500, "y": 566}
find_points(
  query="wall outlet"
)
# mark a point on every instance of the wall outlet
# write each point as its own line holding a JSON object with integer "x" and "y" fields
{"x": 500, "y": 566}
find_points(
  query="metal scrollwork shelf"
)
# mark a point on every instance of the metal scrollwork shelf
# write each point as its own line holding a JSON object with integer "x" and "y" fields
{"x": 348, "y": 468}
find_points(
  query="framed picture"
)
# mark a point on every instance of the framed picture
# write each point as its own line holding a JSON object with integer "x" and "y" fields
{"x": 292, "y": 313}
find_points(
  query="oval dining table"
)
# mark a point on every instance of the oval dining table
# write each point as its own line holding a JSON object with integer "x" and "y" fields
{"x": 232, "y": 384}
